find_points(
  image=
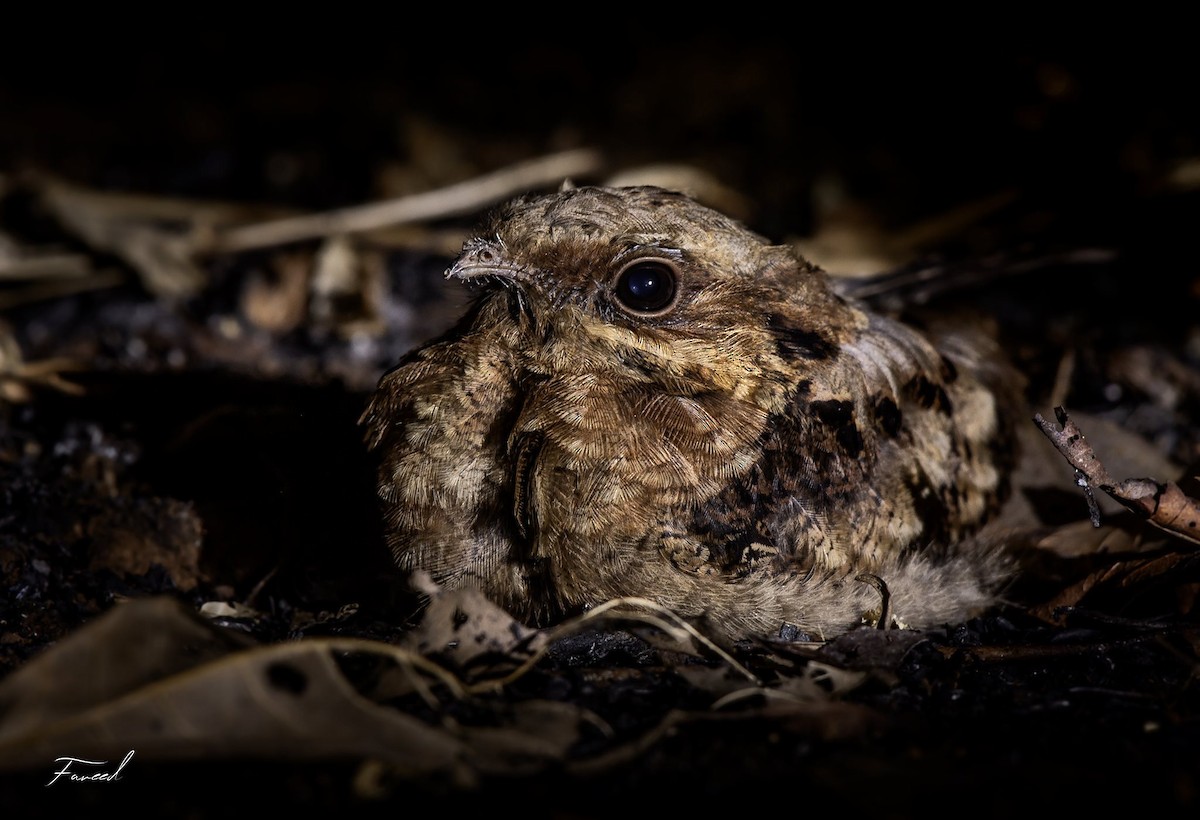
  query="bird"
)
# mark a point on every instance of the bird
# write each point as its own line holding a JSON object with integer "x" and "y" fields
{"x": 647, "y": 399}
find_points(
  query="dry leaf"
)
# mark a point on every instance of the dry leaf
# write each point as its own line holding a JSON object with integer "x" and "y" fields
{"x": 152, "y": 678}
{"x": 133, "y": 645}
{"x": 465, "y": 629}
{"x": 1080, "y": 538}
{"x": 1124, "y": 576}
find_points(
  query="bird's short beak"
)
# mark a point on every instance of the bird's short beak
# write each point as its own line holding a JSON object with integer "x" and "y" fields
{"x": 482, "y": 260}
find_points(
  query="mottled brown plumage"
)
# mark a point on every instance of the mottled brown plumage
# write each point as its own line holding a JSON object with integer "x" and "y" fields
{"x": 649, "y": 400}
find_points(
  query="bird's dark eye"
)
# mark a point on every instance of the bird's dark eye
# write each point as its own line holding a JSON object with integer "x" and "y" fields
{"x": 647, "y": 285}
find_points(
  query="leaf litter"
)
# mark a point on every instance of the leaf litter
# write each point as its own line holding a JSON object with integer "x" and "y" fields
{"x": 466, "y": 694}
{"x": 153, "y": 676}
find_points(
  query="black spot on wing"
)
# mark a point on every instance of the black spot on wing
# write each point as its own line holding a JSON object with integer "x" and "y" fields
{"x": 735, "y": 520}
{"x": 929, "y": 395}
{"x": 931, "y": 510}
{"x": 888, "y": 417}
{"x": 798, "y": 343}
{"x": 949, "y": 371}
{"x": 838, "y": 416}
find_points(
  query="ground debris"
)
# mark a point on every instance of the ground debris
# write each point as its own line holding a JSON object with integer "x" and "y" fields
{"x": 1163, "y": 504}
{"x": 190, "y": 562}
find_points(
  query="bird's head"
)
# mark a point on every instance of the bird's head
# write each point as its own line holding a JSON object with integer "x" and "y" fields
{"x": 647, "y": 283}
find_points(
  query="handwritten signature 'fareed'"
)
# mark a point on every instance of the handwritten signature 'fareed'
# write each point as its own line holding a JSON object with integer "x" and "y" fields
{"x": 80, "y": 776}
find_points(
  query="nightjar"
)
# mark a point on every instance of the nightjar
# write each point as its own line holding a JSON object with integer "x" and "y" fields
{"x": 648, "y": 399}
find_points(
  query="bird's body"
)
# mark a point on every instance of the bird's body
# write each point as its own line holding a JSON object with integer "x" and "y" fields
{"x": 649, "y": 400}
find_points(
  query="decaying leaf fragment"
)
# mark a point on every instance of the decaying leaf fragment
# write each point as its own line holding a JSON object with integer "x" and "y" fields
{"x": 152, "y": 677}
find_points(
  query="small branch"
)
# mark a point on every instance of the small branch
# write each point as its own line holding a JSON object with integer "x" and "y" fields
{"x": 453, "y": 200}
{"x": 50, "y": 266}
{"x": 1165, "y": 506}
{"x": 1069, "y": 441}
{"x": 58, "y": 288}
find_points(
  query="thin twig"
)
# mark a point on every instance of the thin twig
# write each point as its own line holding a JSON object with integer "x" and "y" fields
{"x": 453, "y": 200}
{"x": 1069, "y": 441}
{"x": 43, "y": 290}
{"x": 404, "y": 657}
{"x": 604, "y": 610}
{"x": 1165, "y": 506}
{"x": 48, "y": 266}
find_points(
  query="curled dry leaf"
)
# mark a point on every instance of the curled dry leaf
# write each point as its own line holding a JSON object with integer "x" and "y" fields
{"x": 468, "y": 631}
